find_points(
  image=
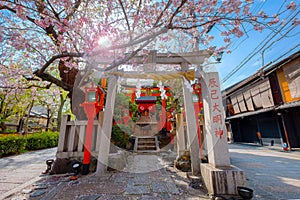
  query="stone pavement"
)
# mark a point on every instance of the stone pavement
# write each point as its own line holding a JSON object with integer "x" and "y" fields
{"x": 20, "y": 171}
{"x": 270, "y": 172}
{"x": 146, "y": 177}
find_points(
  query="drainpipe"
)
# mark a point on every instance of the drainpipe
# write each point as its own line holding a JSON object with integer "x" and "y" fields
{"x": 285, "y": 131}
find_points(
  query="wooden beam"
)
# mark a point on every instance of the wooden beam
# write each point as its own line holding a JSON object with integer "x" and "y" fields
{"x": 197, "y": 58}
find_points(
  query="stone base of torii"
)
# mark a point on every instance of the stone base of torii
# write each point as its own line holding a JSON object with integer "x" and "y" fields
{"x": 219, "y": 176}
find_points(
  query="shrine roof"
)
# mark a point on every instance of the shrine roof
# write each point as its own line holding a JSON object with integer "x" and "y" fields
{"x": 146, "y": 99}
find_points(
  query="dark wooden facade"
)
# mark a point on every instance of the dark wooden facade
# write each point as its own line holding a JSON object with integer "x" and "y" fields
{"x": 267, "y": 102}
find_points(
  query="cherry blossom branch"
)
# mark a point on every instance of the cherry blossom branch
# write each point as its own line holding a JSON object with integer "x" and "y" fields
{"x": 128, "y": 56}
{"x": 49, "y": 30}
{"x": 148, "y": 39}
{"x": 51, "y": 60}
{"x": 75, "y": 8}
{"x": 162, "y": 13}
{"x": 53, "y": 10}
{"x": 52, "y": 79}
{"x": 134, "y": 42}
{"x": 5, "y": 7}
{"x": 139, "y": 7}
{"x": 175, "y": 13}
{"x": 125, "y": 15}
{"x": 27, "y": 87}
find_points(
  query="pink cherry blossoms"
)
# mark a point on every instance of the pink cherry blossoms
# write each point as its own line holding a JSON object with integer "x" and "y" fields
{"x": 44, "y": 36}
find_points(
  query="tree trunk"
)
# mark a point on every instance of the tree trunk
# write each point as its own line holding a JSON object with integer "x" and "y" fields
{"x": 27, "y": 117}
{"x": 3, "y": 126}
{"x": 59, "y": 114}
{"x": 20, "y": 126}
{"x": 48, "y": 118}
{"x": 77, "y": 98}
{"x": 76, "y": 95}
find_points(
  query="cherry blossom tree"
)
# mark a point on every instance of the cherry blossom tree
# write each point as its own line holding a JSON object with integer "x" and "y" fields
{"x": 17, "y": 104}
{"x": 11, "y": 104}
{"x": 52, "y": 40}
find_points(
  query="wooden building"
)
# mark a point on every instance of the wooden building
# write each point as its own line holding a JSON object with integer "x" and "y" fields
{"x": 267, "y": 103}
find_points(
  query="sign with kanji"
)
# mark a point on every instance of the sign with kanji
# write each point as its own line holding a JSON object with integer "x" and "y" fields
{"x": 216, "y": 109}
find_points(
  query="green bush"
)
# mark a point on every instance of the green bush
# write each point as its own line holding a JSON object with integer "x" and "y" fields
{"x": 11, "y": 145}
{"x": 14, "y": 144}
{"x": 41, "y": 140}
{"x": 120, "y": 135}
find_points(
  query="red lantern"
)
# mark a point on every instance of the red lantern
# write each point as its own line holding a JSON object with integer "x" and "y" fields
{"x": 94, "y": 101}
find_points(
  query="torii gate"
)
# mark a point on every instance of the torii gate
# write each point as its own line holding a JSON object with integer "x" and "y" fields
{"x": 219, "y": 175}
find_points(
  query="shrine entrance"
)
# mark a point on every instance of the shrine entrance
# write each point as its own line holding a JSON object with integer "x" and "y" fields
{"x": 218, "y": 172}
{"x": 219, "y": 169}
{"x": 151, "y": 108}
{"x": 147, "y": 123}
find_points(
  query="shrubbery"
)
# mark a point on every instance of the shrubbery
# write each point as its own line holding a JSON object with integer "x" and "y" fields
{"x": 120, "y": 135}
{"x": 14, "y": 144}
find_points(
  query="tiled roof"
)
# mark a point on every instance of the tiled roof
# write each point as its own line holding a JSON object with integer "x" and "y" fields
{"x": 289, "y": 105}
{"x": 250, "y": 113}
{"x": 284, "y": 106}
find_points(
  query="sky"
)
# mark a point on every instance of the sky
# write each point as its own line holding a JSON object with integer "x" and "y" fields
{"x": 260, "y": 48}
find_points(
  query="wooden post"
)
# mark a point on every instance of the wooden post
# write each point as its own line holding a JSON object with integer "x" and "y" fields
{"x": 105, "y": 135}
{"x": 71, "y": 139}
{"x": 81, "y": 138}
{"x": 180, "y": 135}
{"x": 62, "y": 133}
{"x": 151, "y": 65}
{"x": 164, "y": 113}
{"x": 286, "y": 133}
{"x": 99, "y": 129}
{"x": 191, "y": 128}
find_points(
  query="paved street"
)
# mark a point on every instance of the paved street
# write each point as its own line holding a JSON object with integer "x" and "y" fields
{"x": 272, "y": 174}
{"x": 148, "y": 179}
{"x": 154, "y": 183}
{"x": 17, "y": 172}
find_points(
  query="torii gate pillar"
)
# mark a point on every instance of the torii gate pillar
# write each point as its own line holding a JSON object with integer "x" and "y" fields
{"x": 220, "y": 177}
{"x": 105, "y": 135}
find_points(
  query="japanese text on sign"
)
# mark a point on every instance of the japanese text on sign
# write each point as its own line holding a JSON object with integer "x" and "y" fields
{"x": 216, "y": 111}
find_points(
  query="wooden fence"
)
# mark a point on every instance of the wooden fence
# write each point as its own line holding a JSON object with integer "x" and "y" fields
{"x": 72, "y": 137}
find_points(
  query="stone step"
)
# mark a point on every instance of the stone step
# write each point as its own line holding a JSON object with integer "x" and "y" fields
{"x": 147, "y": 140}
{"x": 146, "y": 144}
{"x": 148, "y": 152}
{"x": 146, "y": 137}
{"x": 141, "y": 147}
